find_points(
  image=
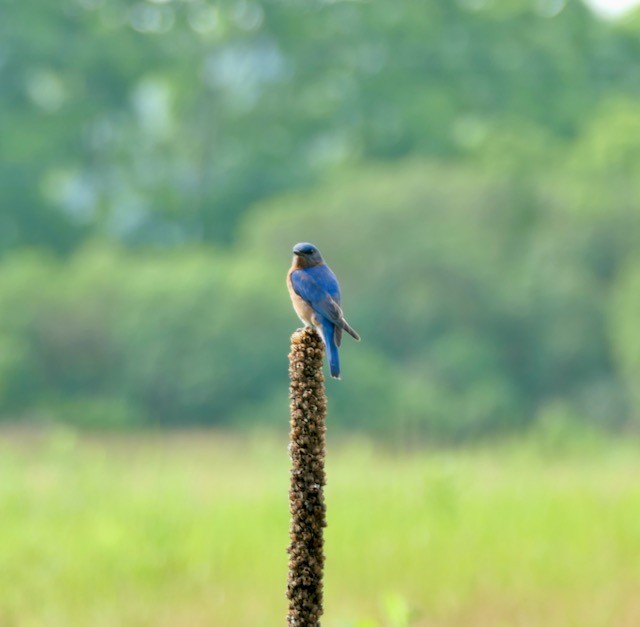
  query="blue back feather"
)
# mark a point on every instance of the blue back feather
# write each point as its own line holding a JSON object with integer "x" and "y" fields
{"x": 318, "y": 286}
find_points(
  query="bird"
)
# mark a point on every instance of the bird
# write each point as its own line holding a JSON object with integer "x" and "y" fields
{"x": 315, "y": 295}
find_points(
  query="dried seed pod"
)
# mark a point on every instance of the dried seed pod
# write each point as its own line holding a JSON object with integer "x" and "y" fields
{"x": 306, "y": 495}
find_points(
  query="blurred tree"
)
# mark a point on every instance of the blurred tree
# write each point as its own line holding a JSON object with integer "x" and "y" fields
{"x": 626, "y": 336}
{"x": 469, "y": 167}
{"x": 163, "y": 122}
{"x": 472, "y": 323}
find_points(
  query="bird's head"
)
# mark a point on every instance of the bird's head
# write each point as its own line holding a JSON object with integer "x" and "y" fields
{"x": 305, "y": 254}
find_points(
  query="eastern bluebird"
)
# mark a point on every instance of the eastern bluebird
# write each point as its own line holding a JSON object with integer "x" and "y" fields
{"x": 315, "y": 295}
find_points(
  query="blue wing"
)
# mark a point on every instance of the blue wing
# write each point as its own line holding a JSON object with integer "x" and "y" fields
{"x": 319, "y": 287}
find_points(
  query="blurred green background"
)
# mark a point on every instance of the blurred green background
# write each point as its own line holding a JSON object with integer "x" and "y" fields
{"x": 470, "y": 170}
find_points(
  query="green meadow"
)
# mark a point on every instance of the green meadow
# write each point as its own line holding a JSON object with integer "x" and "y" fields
{"x": 191, "y": 530}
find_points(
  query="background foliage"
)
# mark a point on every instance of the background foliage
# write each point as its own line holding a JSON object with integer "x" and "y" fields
{"x": 470, "y": 170}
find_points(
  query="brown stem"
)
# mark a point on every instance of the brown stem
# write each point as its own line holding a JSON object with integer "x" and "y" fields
{"x": 306, "y": 495}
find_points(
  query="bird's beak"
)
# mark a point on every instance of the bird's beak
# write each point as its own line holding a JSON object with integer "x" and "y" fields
{"x": 296, "y": 253}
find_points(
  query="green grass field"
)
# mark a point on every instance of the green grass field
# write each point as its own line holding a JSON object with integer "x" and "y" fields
{"x": 191, "y": 530}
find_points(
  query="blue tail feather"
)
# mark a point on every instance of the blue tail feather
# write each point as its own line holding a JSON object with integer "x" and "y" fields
{"x": 332, "y": 350}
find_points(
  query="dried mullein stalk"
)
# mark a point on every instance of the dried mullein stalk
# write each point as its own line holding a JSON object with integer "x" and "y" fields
{"x": 306, "y": 495}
